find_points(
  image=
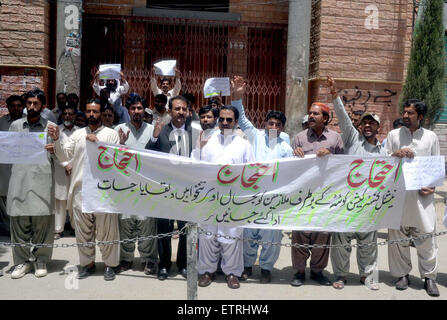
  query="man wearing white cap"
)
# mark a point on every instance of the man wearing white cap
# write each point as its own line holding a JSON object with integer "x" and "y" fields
{"x": 363, "y": 143}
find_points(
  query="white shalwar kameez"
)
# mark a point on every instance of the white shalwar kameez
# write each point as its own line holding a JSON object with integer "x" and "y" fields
{"x": 419, "y": 216}
{"x": 231, "y": 149}
{"x": 61, "y": 185}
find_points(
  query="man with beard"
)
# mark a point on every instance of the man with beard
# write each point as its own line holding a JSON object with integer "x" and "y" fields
{"x": 208, "y": 119}
{"x": 88, "y": 226}
{"x": 161, "y": 112}
{"x": 166, "y": 86}
{"x": 30, "y": 196}
{"x": 363, "y": 143}
{"x": 319, "y": 140}
{"x": 419, "y": 216}
{"x": 15, "y": 105}
{"x": 136, "y": 134}
{"x": 113, "y": 93}
{"x": 267, "y": 145}
{"x": 44, "y": 113}
{"x": 225, "y": 147}
{"x": 176, "y": 137}
{"x": 62, "y": 174}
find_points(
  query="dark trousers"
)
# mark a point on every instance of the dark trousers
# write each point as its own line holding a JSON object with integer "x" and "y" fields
{"x": 164, "y": 244}
{"x": 319, "y": 258}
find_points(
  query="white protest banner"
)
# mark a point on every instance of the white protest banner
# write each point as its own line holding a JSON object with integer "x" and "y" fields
{"x": 23, "y": 147}
{"x": 165, "y": 67}
{"x": 423, "y": 172}
{"x": 109, "y": 71}
{"x": 216, "y": 87}
{"x": 335, "y": 193}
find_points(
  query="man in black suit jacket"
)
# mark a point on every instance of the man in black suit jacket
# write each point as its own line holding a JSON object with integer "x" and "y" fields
{"x": 175, "y": 137}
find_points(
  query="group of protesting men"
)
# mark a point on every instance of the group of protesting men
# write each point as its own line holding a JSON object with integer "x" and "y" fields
{"x": 38, "y": 196}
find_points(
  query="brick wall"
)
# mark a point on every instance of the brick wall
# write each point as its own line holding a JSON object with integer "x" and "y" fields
{"x": 380, "y": 98}
{"x": 315, "y": 30}
{"x": 371, "y": 62}
{"x": 24, "y": 40}
{"x": 349, "y": 50}
{"x": 24, "y": 32}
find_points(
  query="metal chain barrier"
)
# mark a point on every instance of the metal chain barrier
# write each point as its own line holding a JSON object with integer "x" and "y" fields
{"x": 184, "y": 231}
{"x": 322, "y": 246}
{"x": 92, "y": 244}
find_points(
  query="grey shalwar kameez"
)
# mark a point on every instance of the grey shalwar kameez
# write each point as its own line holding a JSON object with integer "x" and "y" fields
{"x": 30, "y": 201}
{"x": 355, "y": 144}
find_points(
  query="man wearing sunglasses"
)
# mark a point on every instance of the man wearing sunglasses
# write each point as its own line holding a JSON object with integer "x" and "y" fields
{"x": 225, "y": 147}
{"x": 268, "y": 144}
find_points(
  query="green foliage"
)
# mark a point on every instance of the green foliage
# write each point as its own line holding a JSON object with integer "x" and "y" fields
{"x": 426, "y": 69}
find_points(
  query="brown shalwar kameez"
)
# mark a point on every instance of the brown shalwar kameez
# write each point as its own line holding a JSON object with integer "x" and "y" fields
{"x": 311, "y": 143}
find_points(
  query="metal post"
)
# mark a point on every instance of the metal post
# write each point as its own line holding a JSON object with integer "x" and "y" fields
{"x": 298, "y": 43}
{"x": 191, "y": 245}
{"x": 68, "y": 51}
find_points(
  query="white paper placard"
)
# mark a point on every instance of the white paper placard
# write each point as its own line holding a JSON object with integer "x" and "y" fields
{"x": 109, "y": 71}
{"x": 216, "y": 87}
{"x": 23, "y": 147}
{"x": 165, "y": 67}
{"x": 423, "y": 172}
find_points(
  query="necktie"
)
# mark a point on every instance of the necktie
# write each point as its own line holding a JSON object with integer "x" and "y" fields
{"x": 179, "y": 140}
